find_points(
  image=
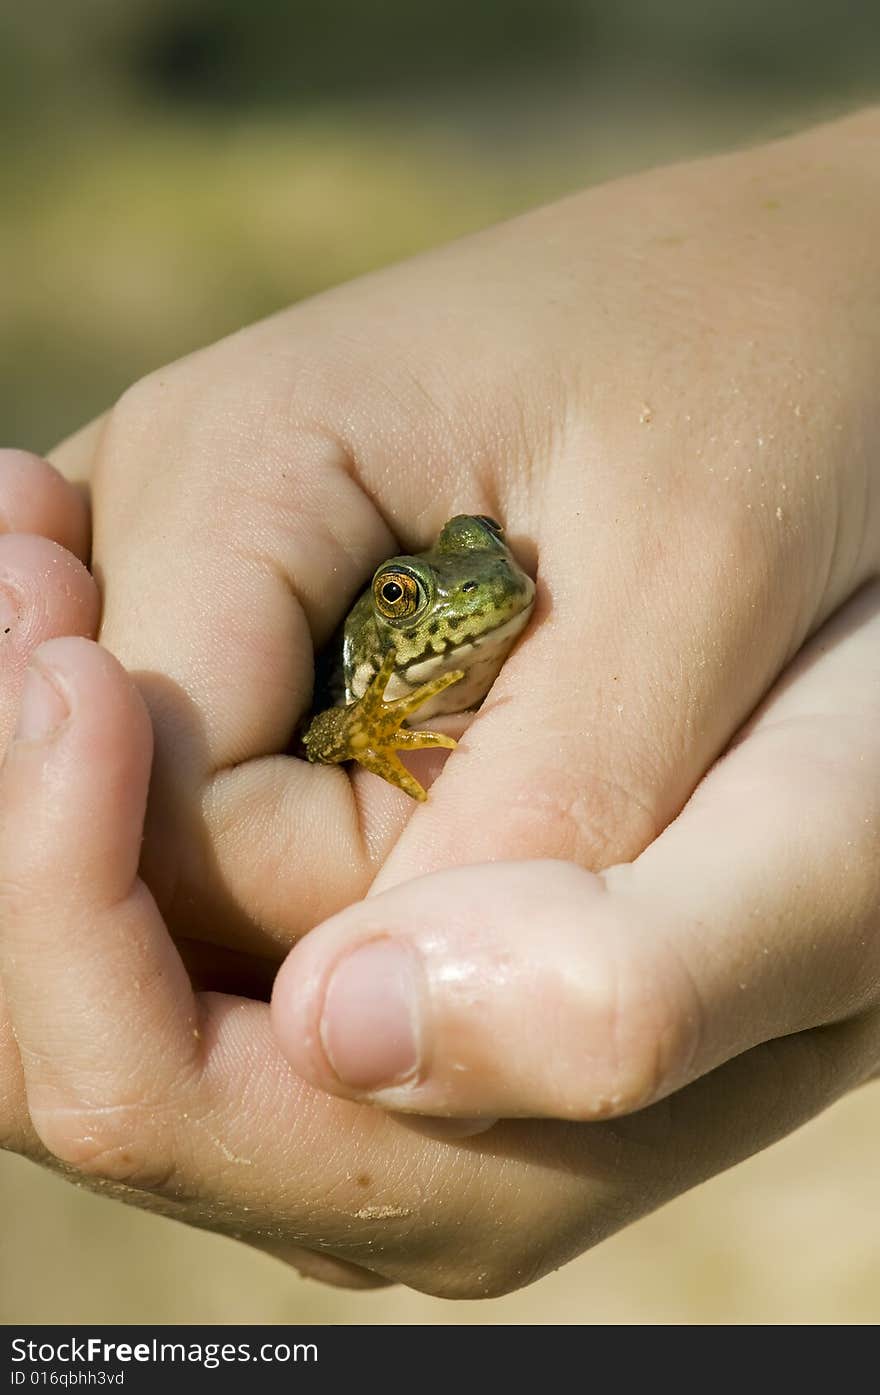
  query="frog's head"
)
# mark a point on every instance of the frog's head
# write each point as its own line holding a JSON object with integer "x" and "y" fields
{"x": 461, "y": 604}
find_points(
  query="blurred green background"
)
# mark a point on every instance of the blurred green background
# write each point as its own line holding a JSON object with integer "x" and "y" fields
{"x": 172, "y": 169}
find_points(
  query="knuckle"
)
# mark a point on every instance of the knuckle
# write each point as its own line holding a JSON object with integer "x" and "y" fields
{"x": 488, "y": 1265}
{"x": 191, "y": 394}
{"x": 489, "y": 1281}
{"x": 115, "y": 1144}
{"x": 658, "y": 1028}
{"x": 156, "y": 409}
{"x": 639, "y": 1031}
{"x": 490, "y": 1274}
{"x": 493, "y": 1249}
{"x": 136, "y": 409}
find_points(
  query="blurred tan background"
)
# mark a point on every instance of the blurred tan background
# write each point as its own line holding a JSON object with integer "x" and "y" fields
{"x": 172, "y": 169}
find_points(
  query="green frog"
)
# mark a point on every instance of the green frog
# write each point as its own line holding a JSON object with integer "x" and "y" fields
{"x": 428, "y": 637}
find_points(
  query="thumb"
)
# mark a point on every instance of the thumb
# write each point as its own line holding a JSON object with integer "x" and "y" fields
{"x": 537, "y": 988}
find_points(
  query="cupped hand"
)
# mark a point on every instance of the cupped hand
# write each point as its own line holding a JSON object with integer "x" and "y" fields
{"x": 181, "y": 1101}
{"x": 539, "y": 988}
{"x": 665, "y": 388}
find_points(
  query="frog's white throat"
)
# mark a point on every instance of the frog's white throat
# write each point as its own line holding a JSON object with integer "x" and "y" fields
{"x": 481, "y": 658}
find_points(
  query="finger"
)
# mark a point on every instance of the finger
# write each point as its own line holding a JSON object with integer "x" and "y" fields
{"x": 541, "y": 989}
{"x": 98, "y": 1005}
{"x": 238, "y": 837}
{"x": 243, "y": 846}
{"x": 83, "y": 948}
{"x": 394, "y": 382}
{"x": 35, "y": 498}
{"x": 59, "y": 957}
{"x": 586, "y": 762}
{"x": 242, "y": 1145}
{"x": 679, "y": 567}
{"x": 281, "y": 524}
{"x": 44, "y": 592}
{"x": 486, "y": 1216}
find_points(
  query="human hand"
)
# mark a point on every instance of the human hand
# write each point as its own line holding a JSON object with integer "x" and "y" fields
{"x": 45, "y": 591}
{"x": 723, "y": 596}
{"x": 642, "y": 389}
{"x": 537, "y": 988}
{"x": 181, "y": 1102}
{"x": 44, "y": 588}
{"x": 461, "y": 977}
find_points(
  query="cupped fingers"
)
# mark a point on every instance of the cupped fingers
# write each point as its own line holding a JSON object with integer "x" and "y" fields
{"x": 98, "y": 1000}
{"x": 45, "y": 592}
{"x": 35, "y": 498}
{"x": 99, "y": 1031}
{"x": 541, "y": 989}
{"x": 205, "y": 1119}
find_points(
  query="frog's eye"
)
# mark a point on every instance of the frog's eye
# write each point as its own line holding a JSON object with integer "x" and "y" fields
{"x": 492, "y": 524}
{"x": 397, "y": 594}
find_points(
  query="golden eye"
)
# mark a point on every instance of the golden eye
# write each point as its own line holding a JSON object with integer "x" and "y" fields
{"x": 397, "y": 595}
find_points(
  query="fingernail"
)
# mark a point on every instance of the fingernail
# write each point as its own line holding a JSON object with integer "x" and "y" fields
{"x": 42, "y": 709}
{"x": 370, "y": 1026}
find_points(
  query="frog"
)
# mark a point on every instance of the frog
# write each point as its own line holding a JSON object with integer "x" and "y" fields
{"x": 426, "y": 638}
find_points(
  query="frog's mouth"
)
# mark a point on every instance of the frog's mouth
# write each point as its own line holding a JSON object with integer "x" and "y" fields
{"x": 481, "y": 658}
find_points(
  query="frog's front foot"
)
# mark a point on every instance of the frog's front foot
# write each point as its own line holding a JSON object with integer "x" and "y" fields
{"x": 370, "y": 730}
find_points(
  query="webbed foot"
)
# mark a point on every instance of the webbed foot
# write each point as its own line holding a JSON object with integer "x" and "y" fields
{"x": 370, "y": 730}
